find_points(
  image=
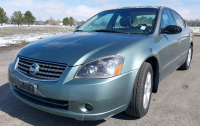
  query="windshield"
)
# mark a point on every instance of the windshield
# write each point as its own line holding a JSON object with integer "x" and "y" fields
{"x": 135, "y": 21}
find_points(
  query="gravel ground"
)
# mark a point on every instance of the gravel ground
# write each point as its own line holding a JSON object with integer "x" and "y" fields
{"x": 177, "y": 102}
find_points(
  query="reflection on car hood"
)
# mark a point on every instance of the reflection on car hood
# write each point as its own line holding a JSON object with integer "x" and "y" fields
{"x": 78, "y": 48}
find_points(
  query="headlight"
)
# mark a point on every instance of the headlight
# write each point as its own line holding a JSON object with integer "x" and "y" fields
{"x": 101, "y": 68}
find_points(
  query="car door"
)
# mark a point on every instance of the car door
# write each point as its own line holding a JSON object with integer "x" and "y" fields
{"x": 170, "y": 45}
{"x": 184, "y": 42}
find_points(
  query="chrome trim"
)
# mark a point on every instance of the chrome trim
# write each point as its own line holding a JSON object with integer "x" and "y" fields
{"x": 37, "y": 79}
{"x": 43, "y": 61}
{"x": 40, "y": 61}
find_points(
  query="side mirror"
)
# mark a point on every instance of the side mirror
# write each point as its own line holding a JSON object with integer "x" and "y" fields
{"x": 77, "y": 27}
{"x": 171, "y": 29}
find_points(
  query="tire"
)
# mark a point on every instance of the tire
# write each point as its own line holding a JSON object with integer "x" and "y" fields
{"x": 188, "y": 60}
{"x": 138, "y": 107}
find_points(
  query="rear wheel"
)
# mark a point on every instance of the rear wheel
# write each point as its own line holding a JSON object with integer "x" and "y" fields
{"x": 141, "y": 96}
{"x": 188, "y": 60}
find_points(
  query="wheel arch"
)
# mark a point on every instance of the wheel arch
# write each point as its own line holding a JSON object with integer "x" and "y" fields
{"x": 153, "y": 60}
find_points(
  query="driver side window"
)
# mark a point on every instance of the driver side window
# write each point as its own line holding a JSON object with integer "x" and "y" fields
{"x": 167, "y": 19}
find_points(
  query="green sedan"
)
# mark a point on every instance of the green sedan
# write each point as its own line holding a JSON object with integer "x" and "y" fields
{"x": 112, "y": 63}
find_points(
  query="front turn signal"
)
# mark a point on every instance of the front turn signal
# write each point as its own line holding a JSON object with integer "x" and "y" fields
{"x": 118, "y": 70}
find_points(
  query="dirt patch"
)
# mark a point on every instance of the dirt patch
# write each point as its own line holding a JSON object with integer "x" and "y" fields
{"x": 12, "y": 47}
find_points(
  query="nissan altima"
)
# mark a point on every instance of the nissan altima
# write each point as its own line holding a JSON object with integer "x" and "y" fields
{"x": 111, "y": 63}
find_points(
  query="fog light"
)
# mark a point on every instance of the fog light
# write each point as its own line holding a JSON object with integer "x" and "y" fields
{"x": 89, "y": 107}
{"x": 86, "y": 107}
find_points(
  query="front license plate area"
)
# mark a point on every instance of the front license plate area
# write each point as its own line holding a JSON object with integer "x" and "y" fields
{"x": 32, "y": 88}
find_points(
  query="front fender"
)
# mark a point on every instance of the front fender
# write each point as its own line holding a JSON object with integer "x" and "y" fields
{"x": 136, "y": 54}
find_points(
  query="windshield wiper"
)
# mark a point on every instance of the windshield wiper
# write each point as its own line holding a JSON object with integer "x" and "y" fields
{"x": 110, "y": 31}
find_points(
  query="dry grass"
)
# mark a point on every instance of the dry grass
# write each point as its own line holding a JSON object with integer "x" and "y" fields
{"x": 25, "y": 30}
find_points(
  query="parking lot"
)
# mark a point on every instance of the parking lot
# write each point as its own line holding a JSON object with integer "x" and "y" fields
{"x": 177, "y": 102}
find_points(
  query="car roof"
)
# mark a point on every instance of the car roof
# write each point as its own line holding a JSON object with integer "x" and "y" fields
{"x": 132, "y": 7}
{"x": 140, "y": 7}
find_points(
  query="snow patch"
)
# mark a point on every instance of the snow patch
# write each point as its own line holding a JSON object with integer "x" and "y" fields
{"x": 20, "y": 38}
{"x": 195, "y": 29}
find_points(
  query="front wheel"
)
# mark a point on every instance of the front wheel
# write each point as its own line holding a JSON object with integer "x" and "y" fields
{"x": 141, "y": 96}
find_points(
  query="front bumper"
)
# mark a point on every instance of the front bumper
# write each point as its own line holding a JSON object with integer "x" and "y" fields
{"x": 107, "y": 96}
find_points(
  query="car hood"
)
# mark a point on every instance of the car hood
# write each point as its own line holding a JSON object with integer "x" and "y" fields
{"x": 78, "y": 47}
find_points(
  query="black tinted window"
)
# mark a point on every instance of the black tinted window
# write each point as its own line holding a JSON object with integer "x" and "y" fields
{"x": 167, "y": 19}
{"x": 178, "y": 19}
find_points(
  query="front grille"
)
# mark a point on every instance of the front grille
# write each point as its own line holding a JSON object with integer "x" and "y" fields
{"x": 46, "y": 70}
{"x": 48, "y": 102}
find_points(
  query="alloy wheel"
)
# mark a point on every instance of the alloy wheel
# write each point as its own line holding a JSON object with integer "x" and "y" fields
{"x": 147, "y": 91}
{"x": 189, "y": 56}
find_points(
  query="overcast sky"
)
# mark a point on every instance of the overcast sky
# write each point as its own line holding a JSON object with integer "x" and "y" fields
{"x": 84, "y": 9}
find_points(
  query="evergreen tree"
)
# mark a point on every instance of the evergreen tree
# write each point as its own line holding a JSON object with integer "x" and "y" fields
{"x": 3, "y": 17}
{"x": 17, "y": 17}
{"x": 29, "y": 18}
{"x": 66, "y": 21}
{"x": 71, "y": 21}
